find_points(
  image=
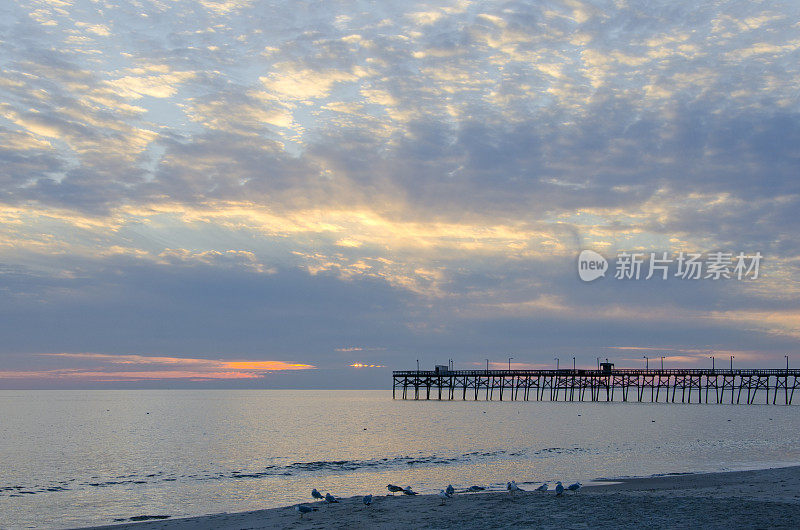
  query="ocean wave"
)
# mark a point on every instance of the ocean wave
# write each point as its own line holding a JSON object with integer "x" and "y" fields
{"x": 288, "y": 469}
{"x": 291, "y": 469}
{"x": 354, "y": 465}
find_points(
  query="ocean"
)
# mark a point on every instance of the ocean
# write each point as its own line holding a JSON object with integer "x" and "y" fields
{"x": 78, "y": 458}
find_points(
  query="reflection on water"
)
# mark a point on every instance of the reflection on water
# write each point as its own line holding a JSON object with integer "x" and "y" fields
{"x": 87, "y": 457}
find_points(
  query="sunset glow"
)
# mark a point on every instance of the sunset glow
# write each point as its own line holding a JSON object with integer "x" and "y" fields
{"x": 259, "y": 257}
{"x": 360, "y": 365}
{"x": 409, "y": 182}
{"x": 105, "y": 368}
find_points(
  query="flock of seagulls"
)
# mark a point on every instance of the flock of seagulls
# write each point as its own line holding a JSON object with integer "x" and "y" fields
{"x": 397, "y": 489}
{"x": 446, "y": 493}
{"x": 512, "y": 487}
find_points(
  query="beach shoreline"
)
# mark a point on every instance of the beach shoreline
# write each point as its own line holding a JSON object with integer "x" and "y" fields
{"x": 740, "y": 499}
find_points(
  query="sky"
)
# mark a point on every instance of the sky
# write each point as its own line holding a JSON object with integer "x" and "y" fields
{"x": 300, "y": 194}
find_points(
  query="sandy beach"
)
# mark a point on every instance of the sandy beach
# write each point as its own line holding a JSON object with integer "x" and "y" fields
{"x": 743, "y": 499}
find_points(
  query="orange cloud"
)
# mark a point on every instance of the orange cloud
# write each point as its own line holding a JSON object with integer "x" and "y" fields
{"x": 360, "y": 365}
{"x": 99, "y": 375}
{"x": 358, "y": 348}
{"x": 152, "y": 368}
{"x": 265, "y": 365}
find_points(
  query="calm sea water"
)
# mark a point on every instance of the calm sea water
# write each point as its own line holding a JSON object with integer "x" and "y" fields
{"x": 76, "y": 458}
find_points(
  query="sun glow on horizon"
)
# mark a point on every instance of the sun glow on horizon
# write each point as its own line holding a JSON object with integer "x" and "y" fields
{"x": 362, "y": 365}
{"x": 105, "y": 368}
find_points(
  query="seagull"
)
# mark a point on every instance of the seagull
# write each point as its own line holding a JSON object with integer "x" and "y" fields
{"x": 476, "y": 488}
{"x": 330, "y": 498}
{"x": 512, "y": 487}
{"x": 304, "y": 509}
{"x": 559, "y": 489}
{"x": 394, "y": 489}
{"x": 409, "y": 491}
{"x": 367, "y": 500}
{"x": 316, "y": 494}
{"x": 450, "y": 490}
{"x": 543, "y": 487}
{"x": 574, "y": 487}
{"x": 444, "y": 496}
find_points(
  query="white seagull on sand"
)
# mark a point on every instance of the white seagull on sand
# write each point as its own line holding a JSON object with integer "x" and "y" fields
{"x": 559, "y": 488}
{"x": 512, "y": 487}
{"x": 367, "y": 500}
{"x": 574, "y": 487}
{"x": 444, "y": 496}
{"x": 543, "y": 487}
{"x": 393, "y": 489}
{"x": 330, "y": 498}
{"x": 450, "y": 490}
{"x": 316, "y": 494}
{"x": 409, "y": 491}
{"x": 304, "y": 509}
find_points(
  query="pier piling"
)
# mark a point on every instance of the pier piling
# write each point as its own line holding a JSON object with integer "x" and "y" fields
{"x": 679, "y": 385}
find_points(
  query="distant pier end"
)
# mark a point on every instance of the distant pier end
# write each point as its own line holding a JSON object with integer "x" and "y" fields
{"x": 776, "y": 386}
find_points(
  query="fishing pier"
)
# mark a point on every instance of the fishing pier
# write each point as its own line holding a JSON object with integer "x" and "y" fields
{"x": 775, "y": 386}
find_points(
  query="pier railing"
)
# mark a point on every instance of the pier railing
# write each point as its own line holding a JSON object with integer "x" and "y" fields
{"x": 616, "y": 371}
{"x": 683, "y": 385}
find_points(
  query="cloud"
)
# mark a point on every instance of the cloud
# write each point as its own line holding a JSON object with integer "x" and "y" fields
{"x": 364, "y": 365}
{"x": 290, "y": 82}
{"x": 104, "y": 368}
{"x": 180, "y": 176}
{"x": 102, "y": 376}
{"x": 96, "y": 29}
{"x": 240, "y": 111}
{"x": 680, "y": 356}
{"x": 158, "y": 85}
{"x": 228, "y": 258}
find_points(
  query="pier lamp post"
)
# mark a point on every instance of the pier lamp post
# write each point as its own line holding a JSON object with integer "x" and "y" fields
{"x": 417, "y": 365}
{"x": 662, "y": 362}
{"x": 787, "y": 363}
{"x": 509, "y": 363}
{"x": 732, "y": 363}
{"x": 646, "y": 362}
{"x": 598, "y": 363}
{"x": 712, "y": 362}
{"x": 573, "y": 363}
{"x": 557, "y": 361}
{"x": 487, "y": 365}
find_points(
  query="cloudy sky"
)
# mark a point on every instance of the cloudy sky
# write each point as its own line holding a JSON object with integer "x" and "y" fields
{"x": 263, "y": 194}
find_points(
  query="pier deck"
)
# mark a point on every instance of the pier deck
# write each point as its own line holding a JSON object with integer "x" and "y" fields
{"x": 775, "y": 386}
